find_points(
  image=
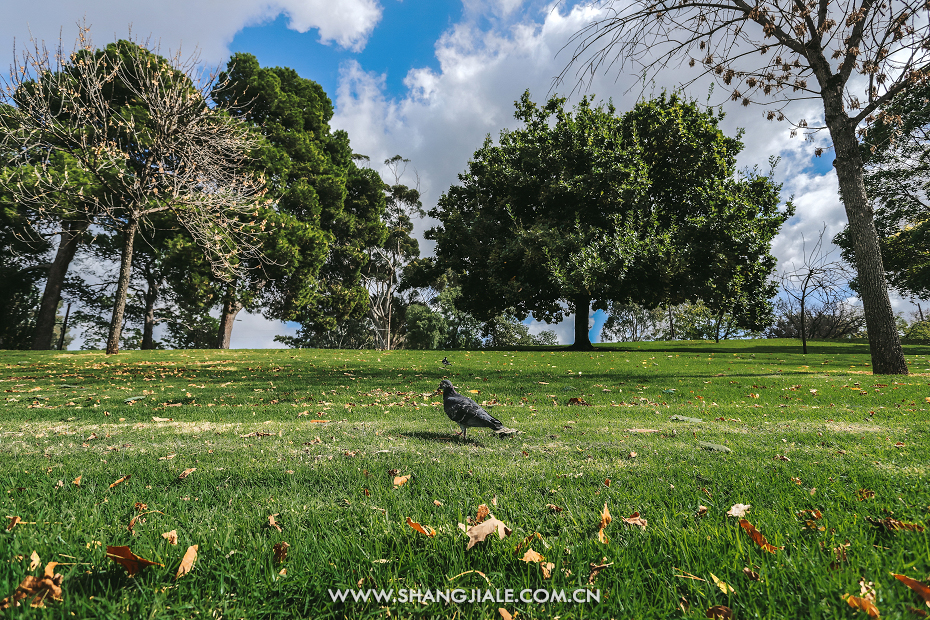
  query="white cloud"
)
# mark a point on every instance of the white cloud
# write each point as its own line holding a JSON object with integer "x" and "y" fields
{"x": 206, "y": 25}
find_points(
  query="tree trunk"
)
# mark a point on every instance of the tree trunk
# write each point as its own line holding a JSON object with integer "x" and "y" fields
{"x": 884, "y": 344}
{"x": 582, "y": 303}
{"x": 151, "y": 295}
{"x": 231, "y": 307}
{"x": 122, "y": 287}
{"x": 803, "y": 328}
{"x": 48, "y": 309}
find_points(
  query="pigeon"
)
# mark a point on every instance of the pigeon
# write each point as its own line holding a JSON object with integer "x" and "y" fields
{"x": 446, "y": 362}
{"x": 467, "y": 413}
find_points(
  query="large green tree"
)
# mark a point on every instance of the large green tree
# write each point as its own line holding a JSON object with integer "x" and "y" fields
{"x": 326, "y": 210}
{"x": 579, "y": 209}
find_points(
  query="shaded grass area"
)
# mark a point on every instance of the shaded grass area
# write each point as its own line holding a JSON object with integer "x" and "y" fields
{"x": 250, "y": 423}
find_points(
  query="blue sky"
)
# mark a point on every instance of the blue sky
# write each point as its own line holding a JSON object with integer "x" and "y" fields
{"x": 428, "y": 79}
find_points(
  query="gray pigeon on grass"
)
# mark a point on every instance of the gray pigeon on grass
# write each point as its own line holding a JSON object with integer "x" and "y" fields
{"x": 467, "y": 413}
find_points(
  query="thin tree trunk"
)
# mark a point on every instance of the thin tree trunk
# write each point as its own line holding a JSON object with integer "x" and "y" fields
{"x": 884, "y": 343}
{"x": 803, "y": 328}
{"x": 582, "y": 303}
{"x": 48, "y": 309}
{"x": 231, "y": 307}
{"x": 122, "y": 287}
{"x": 151, "y": 295}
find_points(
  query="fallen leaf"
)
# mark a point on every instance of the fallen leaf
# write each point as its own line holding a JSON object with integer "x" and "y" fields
{"x": 187, "y": 472}
{"x": 154, "y": 419}
{"x": 893, "y": 525}
{"x": 132, "y": 522}
{"x": 12, "y": 523}
{"x": 597, "y": 568}
{"x": 167, "y": 458}
{"x": 554, "y": 508}
{"x": 171, "y": 537}
{"x": 546, "y": 568}
{"x": 532, "y": 556}
{"x": 483, "y": 512}
{"x": 274, "y": 524}
{"x": 577, "y": 401}
{"x": 606, "y": 482}
{"x": 280, "y": 551}
{"x": 864, "y": 494}
{"x": 123, "y": 479}
{"x": 474, "y": 391}
{"x": 724, "y": 586}
{"x": 437, "y": 502}
{"x": 757, "y": 536}
{"x": 916, "y": 586}
{"x": 505, "y": 615}
{"x": 317, "y": 421}
{"x": 719, "y": 612}
{"x": 782, "y": 457}
{"x": 862, "y": 604}
{"x": 635, "y": 519}
{"x": 605, "y": 521}
{"x": 400, "y": 481}
{"x": 423, "y": 529}
{"x": 701, "y": 511}
{"x": 37, "y": 587}
{"x": 77, "y": 481}
{"x": 478, "y": 533}
{"x": 34, "y": 561}
{"x": 187, "y": 562}
{"x": 738, "y": 510}
{"x": 128, "y": 560}
{"x": 751, "y": 573}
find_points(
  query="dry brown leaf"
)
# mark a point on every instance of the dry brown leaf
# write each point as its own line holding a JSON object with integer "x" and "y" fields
{"x": 132, "y": 522}
{"x": 863, "y": 604}
{"x": 893, "y": 525}
{"x": 171, "y": 537}
{"x": 719, "y": 612}
{"x": 546, "y": 568}
{"x": 701, "y": 511}
{"x": 505, "y": 615}
{"x": 437, "y": 502}
{"x": 483, "y": 512}
{"x": 187, "y": 562}
{"x": 274, "y": 524}
{"x": 317, "y": 421}
{"x": 916, "y": 586}
{"x": 738, "y": 510}
{"x": 478, "y": 533}
{"x": 532, "y": 556}
{"x": 123, "y": 479}
{"x": 757, "y": 536}
{"x": 12, "y": 523}
{"x": 167, "y": 458}
{"x": 724, "y": 586}
{"x": 187, "y": 472}
{"x": 575, "y": 401}
{"x": 635, "y": 519}
{"x": 605, "y": 521}
{"x": 280, "y": 551}
{"x": 77, "y": 481}
{"x": 864, "y": 494}
{"x": 554, "y": 508}
{"x": 423, "y": 529}
{"x": 37, "y": 587}
{"x": 34, "y": 561}
{"x": 751, "y": 573}
{"x": 400, "y": 481}
{"x": 597, "y": 568}
{"x": 128, "y": 560}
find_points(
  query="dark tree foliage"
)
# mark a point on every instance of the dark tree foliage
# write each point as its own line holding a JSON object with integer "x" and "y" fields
{"x": 22, "y": 268}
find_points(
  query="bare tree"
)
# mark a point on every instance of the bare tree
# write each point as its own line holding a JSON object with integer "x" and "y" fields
{"x": 851, "y": 55}
{"x": 818, "y": 281}
{"x": 140, "y": 132}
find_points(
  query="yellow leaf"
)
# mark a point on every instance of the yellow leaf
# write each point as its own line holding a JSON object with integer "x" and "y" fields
{"x": 123, "y": 479}
{"x": 187, "y": 562}
{"x": 863, "y": 604}
{"x": 77, "y": 481}
{"x": 724, "y": 587}
{"x": 532, "y": 556}
{"x": 34, "y": 561}
{"x": 423, "y": 529}
{"x": 400, "y": 481}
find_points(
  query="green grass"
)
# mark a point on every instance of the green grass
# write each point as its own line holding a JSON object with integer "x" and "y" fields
{"x": 331, "y": 483}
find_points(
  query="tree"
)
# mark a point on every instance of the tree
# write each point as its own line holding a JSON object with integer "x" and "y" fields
{"x": 818, "y": 280}
{"x": 896, "y": 152}
{"x": 856, "y": 57}
{"x": 589, "y": 208}
{"x": 22, "y": 267}
{"x": 632, "y": 323}
{"x": 426, "y": 328}
{"x": 144, "y": 131}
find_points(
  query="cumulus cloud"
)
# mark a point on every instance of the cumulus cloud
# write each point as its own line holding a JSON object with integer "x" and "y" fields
{"x": 207, "y": 25}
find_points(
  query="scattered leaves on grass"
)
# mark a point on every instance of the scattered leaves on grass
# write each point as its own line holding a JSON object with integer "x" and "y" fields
{"x": 719, "y": 612}
{"x": 156, "y": 419}
{"x": 554, "y": 508}
{"x": 864, "y": 494}
{"x": 39, "y": 588}
{"x": 167, "y": 458}
{"x": 635, "y": 519}
{"x": 187, "y": 562}
{"x": 128, "y": 560}
{"x": 840, "y": 554}
{"x": 738, "y": 510}
{"x": 132, "y": 522}
{"x": 724, "y": 586}
{"x": 893, "y": 525}
{"x": 171, "y": 537}
{"x": 916, "y": 586}
{"x": 400, "y": 481}
{"x": 423, "y": 529}
{"x": 575, "y": 401}
{"x": 597, "y": 568}
{"x": 123, "y": 479}
{"x": 811, "y": 523}
{"x": 782, "y": 457}
{"x": 532, "y": 556}
{"x": 478, "y": 533}
{"x": 483, "y": 512}
{"x": 280, "y": 551}
{"x": 274, "y": 524}
{"x": 751, "y": 573}
{"x": 187, "y": 472}
{"x": 757, "y": 536}
{"x": 605, "y": 521}
{"x": 257, "y": 434}
{"x": 866, "y": 602}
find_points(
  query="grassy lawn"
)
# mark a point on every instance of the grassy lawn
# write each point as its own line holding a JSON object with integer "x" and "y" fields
{"x": 678, "y": 432}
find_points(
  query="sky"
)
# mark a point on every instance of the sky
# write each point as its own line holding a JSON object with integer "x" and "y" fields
{"x": 429, "y": 79}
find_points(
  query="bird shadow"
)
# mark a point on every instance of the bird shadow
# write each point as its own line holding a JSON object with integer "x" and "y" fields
{"x": 441, "y": 438}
